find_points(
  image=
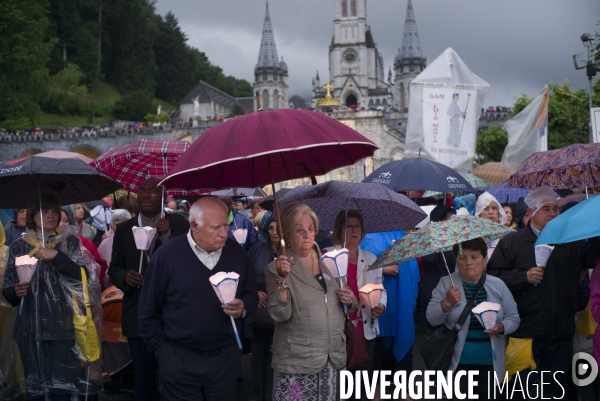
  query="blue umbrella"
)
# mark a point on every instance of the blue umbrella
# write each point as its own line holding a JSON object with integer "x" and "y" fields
{"x": 381, "y": 208}
{"x": 579, "y": 222}
{"x": 419, "y": 174}
{"x": 508, "y": 195}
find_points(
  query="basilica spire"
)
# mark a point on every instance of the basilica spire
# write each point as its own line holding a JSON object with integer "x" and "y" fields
{"x": 411, "y": 45}
{"x": 267, "y": 57}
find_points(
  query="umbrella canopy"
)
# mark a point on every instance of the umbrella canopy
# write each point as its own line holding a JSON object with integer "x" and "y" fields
{"x": 492, "y": 173}
{"x": 240, "y": 192}
{"x": 579, "y": 222}
{"x": 506, "y": 194}
{"x": 480, "y": 184}
{"x": 382, "y": 208}
{"x": 574, "y": 166}
{"x": 133, "y": 163}
{"x": 267, "y": 203}
{"x": 265, "y": 147}
{"x": 419, "y": 174}
{"x": 71, "y": 180}
{"x": 61, "y": 154}
{"x": 439, "y": 237}
{"x": 575, "y": 198}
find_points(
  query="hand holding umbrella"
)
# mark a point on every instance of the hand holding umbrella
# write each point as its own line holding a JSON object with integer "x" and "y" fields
{"x": 144, "y": 237}
{"x": 25, "y": 268}
{"x": 487, "y": 314}
{"x": 225, "y": 286}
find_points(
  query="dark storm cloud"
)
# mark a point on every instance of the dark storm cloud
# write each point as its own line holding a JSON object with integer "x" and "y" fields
{"x": 516, "y": 46}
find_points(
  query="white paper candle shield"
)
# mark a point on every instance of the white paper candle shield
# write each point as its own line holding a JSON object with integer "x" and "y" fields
{"x": 337, "y": 262}
{"x": 370, "y": 294}
{"x": 225, "y": 285}
{"x": 25, "y": 267}
{"x": 487, "y": 314}
{"x": 98, "y": 218}
{"x": 542, "y": 254}
{"x": 143, "y": 237}
{"x": 240, "y": 235}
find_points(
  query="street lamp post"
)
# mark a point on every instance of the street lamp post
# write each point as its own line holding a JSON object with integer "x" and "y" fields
{"x": 590, "y": 70}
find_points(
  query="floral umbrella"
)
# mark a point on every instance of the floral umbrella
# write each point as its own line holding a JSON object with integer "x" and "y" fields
{"x": 439, "y": 237}
{"x": 574, "y": 166}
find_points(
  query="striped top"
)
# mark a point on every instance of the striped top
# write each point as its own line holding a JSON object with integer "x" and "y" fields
{"x": 477, "y": 348}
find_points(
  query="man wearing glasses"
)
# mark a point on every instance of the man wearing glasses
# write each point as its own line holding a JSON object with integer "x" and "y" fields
{"x": 123, "y": 272}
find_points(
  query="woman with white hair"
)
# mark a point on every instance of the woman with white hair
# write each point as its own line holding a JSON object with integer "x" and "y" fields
{"x": 488, "y": 207}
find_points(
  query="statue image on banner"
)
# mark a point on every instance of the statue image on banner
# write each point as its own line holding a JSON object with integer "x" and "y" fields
{"x": 449, "y": 124}
{"x": 455, "y": 114}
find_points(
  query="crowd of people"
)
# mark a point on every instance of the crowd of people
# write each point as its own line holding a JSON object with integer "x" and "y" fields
{"x": 287, "y": 310}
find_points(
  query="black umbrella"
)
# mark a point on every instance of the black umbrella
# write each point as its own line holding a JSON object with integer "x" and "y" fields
{"x": 381, "y": 208}
{"x": 268, "y": 202}
{"x": 71, "y": 180}
{"x": 419, "y": 174}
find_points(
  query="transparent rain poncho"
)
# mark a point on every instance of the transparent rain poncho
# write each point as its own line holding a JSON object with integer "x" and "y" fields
{"x": 39, "y": 352}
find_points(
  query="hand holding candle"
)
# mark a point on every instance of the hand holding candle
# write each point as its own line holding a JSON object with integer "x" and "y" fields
{"x": 225, "y": 286}
{"x": 25, "y": 268}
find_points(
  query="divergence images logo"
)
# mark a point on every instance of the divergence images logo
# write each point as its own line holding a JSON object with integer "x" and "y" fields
{"x": 584, "y": 369}
{"x": 385, "y": 175}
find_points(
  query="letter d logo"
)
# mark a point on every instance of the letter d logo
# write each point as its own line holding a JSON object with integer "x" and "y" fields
{"x": 584, "y": 369}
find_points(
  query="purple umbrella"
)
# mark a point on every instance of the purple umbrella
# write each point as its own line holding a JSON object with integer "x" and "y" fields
{"x": 505, "y": 194}
{"x": 382, "y": 208}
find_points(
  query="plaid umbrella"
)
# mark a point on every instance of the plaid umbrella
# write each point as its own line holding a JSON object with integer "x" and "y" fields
{"x": 574, "y": 166}
{"x": 492, "y": 173}
{"x": 476, "y": 181}
{"x": 439, "y": 237}
{"x": 131, "y": 164}
{"x": 382, "y": 208}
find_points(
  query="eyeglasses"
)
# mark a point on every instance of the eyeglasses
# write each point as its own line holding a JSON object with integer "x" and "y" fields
{"x": 272, "y": 229}
{"x": 303, "y": 233}
{"x": 356, "y": 227}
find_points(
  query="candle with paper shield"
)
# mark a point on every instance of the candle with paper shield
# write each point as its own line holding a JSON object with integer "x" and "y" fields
{"x": 225, "y": 286}
{"x": 370, "y": 295}
{"x": 487, "y": 314}
{"x": 25, "y": 268}
{"x": 542, "y": 254}
{"x": 337, "y": 263}
{"x": 240, "y": 235}
{"x": 143, "y": 239}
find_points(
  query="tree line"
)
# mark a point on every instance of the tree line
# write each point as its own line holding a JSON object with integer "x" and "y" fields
{"x": 56, "y": 49}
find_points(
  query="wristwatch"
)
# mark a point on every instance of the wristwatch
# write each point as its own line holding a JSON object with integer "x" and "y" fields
{"x": 243, "y": 314}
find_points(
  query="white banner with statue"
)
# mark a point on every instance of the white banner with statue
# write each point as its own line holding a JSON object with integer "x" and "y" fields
{"x": 443, "y": 114}
{"x": 449, "y": 124}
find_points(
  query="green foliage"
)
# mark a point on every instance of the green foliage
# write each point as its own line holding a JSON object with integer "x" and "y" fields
{"x": 491, "y": 143}
{"x": 24, "y": 52}
{"x": 237, "y": 111}
{"x": 65, "y": 94}
{"x": 568, "y": 115}
{"x": 133, "y": 106}
{"x": 151, "y": 118}
{"x": 17, "y": 124}
{"x": 171, "y": 59}
{"x": 520, "y": 103}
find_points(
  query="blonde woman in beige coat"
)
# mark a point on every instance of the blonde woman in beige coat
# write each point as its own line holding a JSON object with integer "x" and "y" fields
{"x": 306, "y": 303}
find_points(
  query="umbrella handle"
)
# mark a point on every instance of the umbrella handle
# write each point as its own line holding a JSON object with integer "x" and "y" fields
{"x": 141, "y": 259}
{"x": 447, "y": 269}
{"x": 279, "y": 228}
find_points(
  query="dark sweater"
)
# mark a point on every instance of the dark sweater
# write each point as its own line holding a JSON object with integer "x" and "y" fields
{"x": 179, "y": 304}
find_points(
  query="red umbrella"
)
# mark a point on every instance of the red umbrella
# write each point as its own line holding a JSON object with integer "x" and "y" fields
{"x": 131, "y": 164}
{"x": 574, "y": 166}
{"x": 267, "y": 147}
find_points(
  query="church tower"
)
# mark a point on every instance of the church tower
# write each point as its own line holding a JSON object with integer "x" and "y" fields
{"x": 355, "y": 65}
{"x": 270, "y": 73}
{"x": 409, "y": 62}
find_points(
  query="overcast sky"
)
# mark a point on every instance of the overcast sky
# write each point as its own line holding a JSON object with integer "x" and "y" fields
{"x": 517, "y": 46}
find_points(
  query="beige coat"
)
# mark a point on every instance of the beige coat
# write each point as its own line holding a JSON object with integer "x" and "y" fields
{"x": 309, "y": 325}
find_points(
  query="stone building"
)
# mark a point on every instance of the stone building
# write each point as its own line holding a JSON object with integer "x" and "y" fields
{"x": 211, "y": 102}
{"x": 409, "y": 62}
{"x": 270, "y": 73}
{"x": 356, "y": 69}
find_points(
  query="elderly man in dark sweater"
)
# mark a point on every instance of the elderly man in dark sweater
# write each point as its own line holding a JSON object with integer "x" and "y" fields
{"x": 181, "y": 318}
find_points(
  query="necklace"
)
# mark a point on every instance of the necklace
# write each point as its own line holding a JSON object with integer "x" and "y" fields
{"x": 470, "y": 293}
